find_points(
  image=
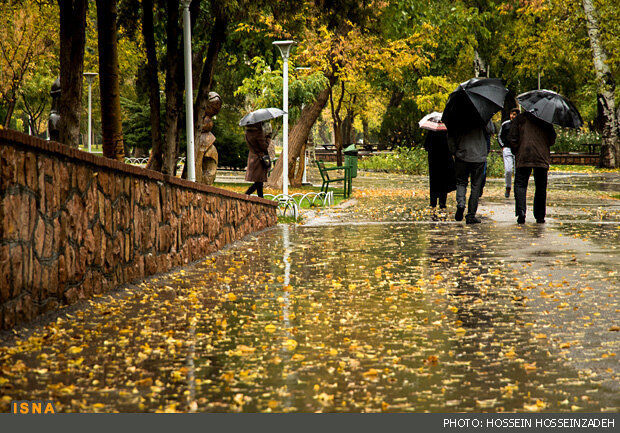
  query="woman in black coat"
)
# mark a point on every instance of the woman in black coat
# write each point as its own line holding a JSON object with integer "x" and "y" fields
{"x": 441, "y": 177}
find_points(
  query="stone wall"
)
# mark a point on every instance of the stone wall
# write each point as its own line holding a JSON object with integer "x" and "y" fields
{"x": 73, "y": 224}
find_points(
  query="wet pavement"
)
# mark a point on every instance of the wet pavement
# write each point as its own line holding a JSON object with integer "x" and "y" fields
{"x": 368, "y": 307}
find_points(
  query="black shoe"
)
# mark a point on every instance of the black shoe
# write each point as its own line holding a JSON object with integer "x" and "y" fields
{"x": 540, "y": 220}
{"x": 458, "y": 216}
{"x": 472, "y": 220}
{"x": 521, "y": 219}
{"x": 507, "y": 193}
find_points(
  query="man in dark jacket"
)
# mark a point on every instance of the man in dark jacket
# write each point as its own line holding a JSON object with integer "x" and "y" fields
{"x": 530, "y": 140}
{"x": 509, "y": 158}
{"x": 470, "y": 156}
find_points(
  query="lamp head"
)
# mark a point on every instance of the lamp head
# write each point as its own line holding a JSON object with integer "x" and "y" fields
{"x": 90, "y": 76}
{"x": 284, "y": 47}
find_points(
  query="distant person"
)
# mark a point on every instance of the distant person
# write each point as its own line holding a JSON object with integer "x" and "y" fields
{"x": 530, "y": 140}
{"x": 470, "y": 150}
{"x": 509, "y": 158}
{"x": 257, "y": 138}
{"x": 441, "y": 178}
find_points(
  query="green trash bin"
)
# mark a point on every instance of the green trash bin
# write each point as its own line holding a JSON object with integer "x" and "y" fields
{"x": 350, "y": 159}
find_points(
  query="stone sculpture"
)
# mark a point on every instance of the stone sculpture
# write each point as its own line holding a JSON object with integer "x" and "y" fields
{"x": 206, "y": 153}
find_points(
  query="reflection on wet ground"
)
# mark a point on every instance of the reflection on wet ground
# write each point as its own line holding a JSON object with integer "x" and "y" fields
{"x": 392, "y": 313}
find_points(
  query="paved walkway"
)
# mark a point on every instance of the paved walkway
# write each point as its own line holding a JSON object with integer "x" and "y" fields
{"x": 370, "y": 306}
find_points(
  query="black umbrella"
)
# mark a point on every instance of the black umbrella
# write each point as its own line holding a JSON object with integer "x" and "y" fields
{"x": 473, "y": 103}
{"x": 551, "y": 107}
{"x": 260, "y": 116}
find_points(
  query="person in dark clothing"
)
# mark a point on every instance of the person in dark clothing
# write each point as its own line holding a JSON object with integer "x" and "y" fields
{"x": 441, "y": 176}
{"x": 509, "y": 158}
{"x": 530, "y": 140}
{"x": 257, "y": 170}
{"x": 470, "y": 152}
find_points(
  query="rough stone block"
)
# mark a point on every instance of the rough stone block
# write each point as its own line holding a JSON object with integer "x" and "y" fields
{"x": 5, "y": 274}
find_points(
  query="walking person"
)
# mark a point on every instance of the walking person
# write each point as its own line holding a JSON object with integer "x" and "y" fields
{"x": 530, "y": 139}
{"x": 470, "y": 152}
{"x": 257, "y": 138}
{"x": 441, "y": 177}
{"x": 509, "y": 158}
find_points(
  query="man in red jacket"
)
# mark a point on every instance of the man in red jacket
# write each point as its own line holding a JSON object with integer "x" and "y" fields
{"x": 530, "y": 140}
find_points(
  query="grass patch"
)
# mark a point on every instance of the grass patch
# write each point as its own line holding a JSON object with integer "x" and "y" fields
{"x": 415, "y": 161}
{"x": 583, "y": 169}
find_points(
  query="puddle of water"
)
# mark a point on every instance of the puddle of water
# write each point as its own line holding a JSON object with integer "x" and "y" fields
{"x": 392, "y": 317}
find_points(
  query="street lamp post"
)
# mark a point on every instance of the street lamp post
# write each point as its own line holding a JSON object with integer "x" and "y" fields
{"x": 90, "y": 76}
{"x": 189, "y": 94}
{"x": 285, "y": 48}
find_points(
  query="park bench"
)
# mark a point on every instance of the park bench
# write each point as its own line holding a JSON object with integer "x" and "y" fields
{"x": 592, "y": 147}
{"x": 327, "y": 179}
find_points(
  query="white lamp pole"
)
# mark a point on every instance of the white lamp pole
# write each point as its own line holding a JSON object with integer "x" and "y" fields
{"x": 285, "y": 48}
{"x": 90, "y": 76}
{"x": 189, "y": 94}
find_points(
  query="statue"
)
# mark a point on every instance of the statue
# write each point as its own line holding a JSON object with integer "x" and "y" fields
{"x": 206, "y": 153}
{"x": 54, "y": 118}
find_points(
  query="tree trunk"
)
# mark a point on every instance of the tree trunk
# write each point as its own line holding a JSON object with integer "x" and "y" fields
{"x": 347, "y": 129}
{"x": 9, "y": 111}
{"x": 111, "y": 118}
{"x": 610, "y": 149}
{"x": 365, "y": 132}
{"x": 324, "y": 133}
{"x": 148, "y": 31}
{"x": 480, "y": 67}
{"x": 299, "y": 135}
{"x": 338, "y": 141}
{"x": 72, "y": 41}
{"x": 218, "y": 37}
{"x": 174, "y": 80}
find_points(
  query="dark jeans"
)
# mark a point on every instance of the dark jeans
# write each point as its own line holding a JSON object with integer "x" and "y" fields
{"x": 256, "y": 186}
{"x": 441, "y": 196}
{"x": 522, "y": 176}
{"x": 464, "y": 170}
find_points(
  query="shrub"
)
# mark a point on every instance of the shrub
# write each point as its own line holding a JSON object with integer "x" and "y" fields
{"x": 415, "y": 161}
{"x": 570, "y": 140}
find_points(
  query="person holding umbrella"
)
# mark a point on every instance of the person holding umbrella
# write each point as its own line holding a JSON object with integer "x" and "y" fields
{"x": 470, "y": 157}
{"x": 441, "y": 178}
{"x": 467, "y": 116}
{"x": 258, "y": 157}
{"x": 257, "y": 136}
{"x": 530, "y": 138}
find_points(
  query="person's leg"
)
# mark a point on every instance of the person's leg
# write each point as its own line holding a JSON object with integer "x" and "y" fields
{"x": 259, "y": 189}
{"x": 540, "y": 194}
{"x": 434, "y": 197}
{"x": 252, "y": 188}
{"x": 477, "y": 177}
{"x": 443, "y": 196}
{"x": 522, "y": 175}
{"x": 509, "y": 160}
{"x": 462, "y": 175}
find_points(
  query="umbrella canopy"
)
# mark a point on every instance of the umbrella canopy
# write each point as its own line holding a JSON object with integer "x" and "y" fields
{"x": 551, "y": 107}
{"x": 473, "y": 103}
{"x": 432, "y": 122}
{"x": 260, "y": 116}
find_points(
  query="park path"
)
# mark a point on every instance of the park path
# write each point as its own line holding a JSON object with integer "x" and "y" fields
{"x": 367, "y": 307}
